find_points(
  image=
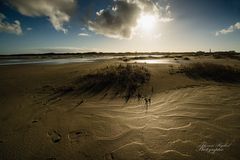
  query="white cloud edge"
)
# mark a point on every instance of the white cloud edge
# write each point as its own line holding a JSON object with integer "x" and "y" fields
{"x": 56, "y": 11}
{"x": 29, "y": 29}
{"x": 83, "y": 34}
{"x": 14, "y": 28}
{"x": 230, "y": 29}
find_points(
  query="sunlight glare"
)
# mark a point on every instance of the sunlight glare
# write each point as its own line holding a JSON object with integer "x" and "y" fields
{"x": 147, "y": 22}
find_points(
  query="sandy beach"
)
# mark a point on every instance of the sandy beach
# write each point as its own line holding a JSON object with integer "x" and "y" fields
{"x": 186, "y": 118}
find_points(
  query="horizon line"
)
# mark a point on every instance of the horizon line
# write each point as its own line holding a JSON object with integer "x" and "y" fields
{"x": 130, "y": 52}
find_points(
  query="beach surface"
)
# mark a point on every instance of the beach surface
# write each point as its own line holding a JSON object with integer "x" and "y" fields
{"x": 186, "y": 118}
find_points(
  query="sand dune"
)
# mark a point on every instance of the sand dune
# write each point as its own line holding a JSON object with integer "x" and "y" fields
{"x": 184, "y": 114}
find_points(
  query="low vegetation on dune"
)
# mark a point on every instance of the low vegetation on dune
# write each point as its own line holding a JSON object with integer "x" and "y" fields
{"x": 224, "y": 55}
{"x": 213, "y": 72}
{"x": 126, "y": 81}
{"x": 186, "y": 58}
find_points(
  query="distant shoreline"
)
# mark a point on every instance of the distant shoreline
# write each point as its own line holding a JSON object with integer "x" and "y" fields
{"x": 111, "y": 54}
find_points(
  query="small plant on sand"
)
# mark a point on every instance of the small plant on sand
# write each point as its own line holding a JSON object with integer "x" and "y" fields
{"x": 186, "y": 58}
{"x": 210, "y": 71}
{"x": 124, "y": 80}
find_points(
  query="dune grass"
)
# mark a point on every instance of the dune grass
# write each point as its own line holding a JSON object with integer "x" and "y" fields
{"x": 186, "y": 59}
{"x": 119, "y": 80}
{"x": 213, "y": 72}
{"x": 224, "y": 55}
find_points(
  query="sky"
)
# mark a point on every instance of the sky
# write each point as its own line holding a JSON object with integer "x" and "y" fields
{"x": 70, "y": 26}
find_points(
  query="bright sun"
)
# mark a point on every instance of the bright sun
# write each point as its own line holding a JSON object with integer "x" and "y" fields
{"x": 147, "y": 22}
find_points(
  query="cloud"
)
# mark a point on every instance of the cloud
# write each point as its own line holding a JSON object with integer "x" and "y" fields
{"x": 83, "y": 34}
{"x": 57, "y": 11}
{"x": 165, "y": 14}
{"x": 120, "y": 20}
{"x": 117, "y": 22}
{"x": 29, "y": 29}
{"x": 230, "y": 29}
{"x": 14, "y": 28}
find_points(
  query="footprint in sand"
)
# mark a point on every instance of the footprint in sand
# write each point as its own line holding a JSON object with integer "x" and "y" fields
{"x": 55, "y": 136}
{"x": 108, "y": 156}
{"x": 34, "y": 121}
{"x": 76, "y": 135}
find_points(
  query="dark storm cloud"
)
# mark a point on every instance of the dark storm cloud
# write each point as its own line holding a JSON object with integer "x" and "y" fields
{"x": 119, "y": 20}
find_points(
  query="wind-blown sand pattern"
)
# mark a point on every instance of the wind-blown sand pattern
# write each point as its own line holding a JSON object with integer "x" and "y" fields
{"x": 184, "y": 114}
